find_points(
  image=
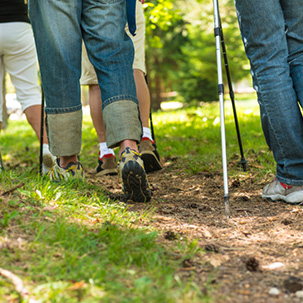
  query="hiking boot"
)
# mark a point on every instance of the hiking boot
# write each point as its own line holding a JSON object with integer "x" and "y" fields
{"x": 277, "y": 190}
{"x": 134, "y": 181}
{"x": 72, "y": 171}
{"x": 48, "y": 161}
{"x": 107, "y": 165}
{"x": 150, "y": 155}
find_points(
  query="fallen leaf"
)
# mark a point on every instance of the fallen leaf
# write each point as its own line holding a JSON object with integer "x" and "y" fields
{"x": 78, "y": 285}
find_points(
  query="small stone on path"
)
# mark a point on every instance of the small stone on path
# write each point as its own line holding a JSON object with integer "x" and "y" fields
{"x": 274, "y": 291}
{"x": 299, "y": 294}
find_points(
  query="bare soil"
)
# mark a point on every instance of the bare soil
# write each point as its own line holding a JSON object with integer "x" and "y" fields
{"x": 253, "y": 256}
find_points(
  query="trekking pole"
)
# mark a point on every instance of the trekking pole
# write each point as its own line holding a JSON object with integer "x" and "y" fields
{"x": 1, "y": 163}
{"x": 151, "y": 125}
{"x": 221, "y": 101}
{"x": 150, "y": 116}
{"x": 41, "y": 132}
{"x": 243, "y": 161}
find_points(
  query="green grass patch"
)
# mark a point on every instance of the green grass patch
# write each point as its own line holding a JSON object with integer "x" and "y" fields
{"x": 71, "y": 246}
{"x": 70, "y": 243}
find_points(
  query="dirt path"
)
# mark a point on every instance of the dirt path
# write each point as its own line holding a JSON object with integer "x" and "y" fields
{"x": 255, "y": 256}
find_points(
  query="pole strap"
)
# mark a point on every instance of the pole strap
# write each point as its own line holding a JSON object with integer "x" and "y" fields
{"x": 131, "y": 16}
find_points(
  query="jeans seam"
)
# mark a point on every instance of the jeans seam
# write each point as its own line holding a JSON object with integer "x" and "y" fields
{"x": 63, "y": 110}
{"x": 119, "y": 98}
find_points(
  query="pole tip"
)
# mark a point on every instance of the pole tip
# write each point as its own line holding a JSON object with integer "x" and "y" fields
{"x": 243, "y": 163}
{"x": 227, "y": 212}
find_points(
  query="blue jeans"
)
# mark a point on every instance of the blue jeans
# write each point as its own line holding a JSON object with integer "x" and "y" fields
{"x": 272, "y": 32}
{"x": 59, "y": 27}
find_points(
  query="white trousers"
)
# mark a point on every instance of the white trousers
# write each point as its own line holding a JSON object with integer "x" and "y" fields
{"x": 18, "y": 57}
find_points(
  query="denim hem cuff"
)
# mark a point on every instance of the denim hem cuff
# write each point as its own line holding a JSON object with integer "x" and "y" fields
{"x": 122, "y": 122}
{"x": 64, "y": 133}
{"x": 63, "y": 110}
{"x": 288, "y": 181}
{"x": 119, "y": 98}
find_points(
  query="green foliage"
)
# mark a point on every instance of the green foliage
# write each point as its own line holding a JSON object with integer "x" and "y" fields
{"x": 181, "y": 50}
{"x": 7, "y": 217}
{"x": 161, "y": 16}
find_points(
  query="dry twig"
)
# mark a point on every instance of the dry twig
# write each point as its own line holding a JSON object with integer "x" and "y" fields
{"x": 12, "y": 189}
{"x": 18, "y": 284}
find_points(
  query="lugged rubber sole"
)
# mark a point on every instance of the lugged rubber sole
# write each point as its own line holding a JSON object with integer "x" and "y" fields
{"x": 293, "y": 198}
{"x": 107, "y": 172}
{"x": 135, "y": 185}
{"x": 151, "y": 163}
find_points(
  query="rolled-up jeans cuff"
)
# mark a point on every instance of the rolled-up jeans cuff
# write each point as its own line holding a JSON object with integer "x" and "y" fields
{"x": 122, "y": 122}
{"x": 64, "y": 132}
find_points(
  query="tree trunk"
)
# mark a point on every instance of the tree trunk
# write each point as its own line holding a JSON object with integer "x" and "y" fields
{"x": 156, "y": 92}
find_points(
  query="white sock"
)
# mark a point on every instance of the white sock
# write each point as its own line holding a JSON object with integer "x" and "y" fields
{"x": 45, "y": 149}
{"x": 104, "y": 150}
{"x": 147, "y": 133}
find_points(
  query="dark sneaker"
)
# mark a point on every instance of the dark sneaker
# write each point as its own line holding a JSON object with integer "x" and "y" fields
{"x": 107, "y": 165}
{"x": 150, "y": 155}
{"x": 277, "y": 190}
{"x": 73, "y": 171}
{"x": 134, "y": 181}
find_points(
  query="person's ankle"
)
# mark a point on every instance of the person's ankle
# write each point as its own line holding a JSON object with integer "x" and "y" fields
{"x": 65, "y": 160}
{"x": 127, "y": 143}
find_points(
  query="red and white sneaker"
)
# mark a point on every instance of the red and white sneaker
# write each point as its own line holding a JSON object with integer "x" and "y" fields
{"x": 107, "y": 165}
{"x": 277, "y": 190}
{"x": 150, "y": 155}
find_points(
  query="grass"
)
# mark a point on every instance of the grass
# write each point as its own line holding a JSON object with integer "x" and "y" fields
{"x": 73, "y": 245}
{"x": 70, "y": 243}
{"x": 194, "y": 133}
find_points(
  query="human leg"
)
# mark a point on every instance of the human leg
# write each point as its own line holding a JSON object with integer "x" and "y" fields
{"x": 95, "y": 104}
{"x": 106, "y": 160}
{"x": 262, "y": 27}
{"x": 140, "y": 70}
{"x": 56, "y": 26}
{"x": 111, "y": 53}
{"x": 147, "y": 147}
{"x": 33, "y": 116}
{"x": 62, "y": 96}
{"x": 143, "y": 96}
{"x": 119, "y": 101}
{"x": 20, "y": 61}
{"x": 292, "y": 11}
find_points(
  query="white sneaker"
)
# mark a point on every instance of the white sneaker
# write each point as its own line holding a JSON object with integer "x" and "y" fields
{"x": 48, "y": 162}
{"x": 277, "y": 190}
{"x": 72, "y": 172}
